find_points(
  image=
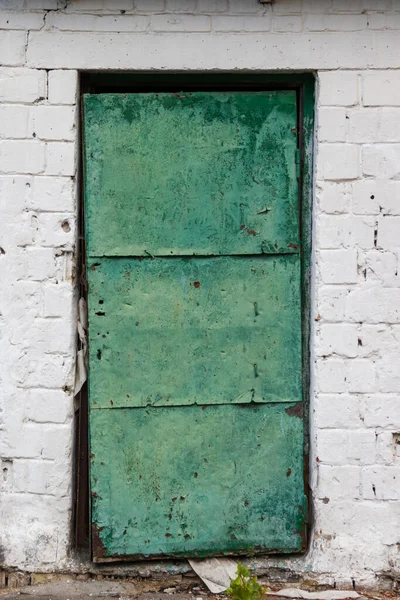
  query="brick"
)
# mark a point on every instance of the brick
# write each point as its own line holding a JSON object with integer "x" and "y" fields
{"x": 57, "y": 441}
{"x": 27, "y": 302}
{"x": 55, "y": 229}
{"x": 18, "y": 580}
{"x": 389, "y": 198}
{"x": 338, "y": 266}
{"x": 363, "y": 232}
{"x": 15, "y": 192}
{"x": 58, "y": 300}
{"x": 381, "y": 411}
{"x": 374, "y": 125}
{"x": 98, "y": 6}
{"x": 63, "y": 87}
{"x": 242, "y": 6}
{"x": 55, "y": 194}
{"x": 292, "y": 23}
{"x": 377, "y": 21}
{"x": 20, "y": 232}
{"x": 337, "y": 483}
{"x": 60, "y": 158}
{"x": 69, "y": 22}
{"x": 389, "y": 125}
{"x": 12, "y": 4}
{"x": 381, "y": 88}
{"x": 337, "y": 411}
{"x": 240, "y": 23}
{"x": 40, "y": 477}
{"x": 361, "y": 376}
{"x": 338, "y": 88}
{"x": 53, "y": 122}
{"x": 345, "y": 517}
{"x": 385, "y": 451}
{"x": 334, "y": 231}
{"x": 380, "y": 483}
{"x": 113, "y": 5}
{"x": 340, "y": 339}
{"x": 395, "y": 331}
{"x": 389, "y": 232}
{"x": 344, "y": 447}
{"x": 51, "y": 335}
{"x": 289, "y": 7}
{"x": 46, "y": 371}
{"x": 40, "y": 263}
{"x": 22, "y": 20}
{"x": 375, "y": 340}
{"x": 43, "y": 536}
{"x": 149, "y": 5}
{"x": 370, "y": 195}
{"x": 335, "y": 23}
{"x": 14, "y": 121}
{"x": 42, "y": 4}
{"x": 338, "y": 162}
{"x": 212, "y": 6}
{"x": 47, "y": 406}
{"x": 373, "y": 305}
{"x": 389, "y": 372}
{"x": 181, "y": 5}
{"x": 332, "y": 303}
{"x": 382, "y": 266}
{"x": 331, "y": 376}
{"x": 381, "y": 160}
{"x": 23, "y": 441}
{"x": 12, "y": 48}
{"x": 333, "y": 198}
{"x": 359, "y": 5}
{"x": 364, "y": 126}
{"x": 180, "y": 23}
{"x": 22, "y": 156}
{"x": 316, "y": 6}
{"x": 332, "y": 124}
{"x": 22, "y": 85}
{"x": 390, "y": 21}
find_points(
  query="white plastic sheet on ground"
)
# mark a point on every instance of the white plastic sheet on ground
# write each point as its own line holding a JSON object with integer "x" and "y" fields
{"x": 326, "y": 595}
{"x": 216, "y": 573}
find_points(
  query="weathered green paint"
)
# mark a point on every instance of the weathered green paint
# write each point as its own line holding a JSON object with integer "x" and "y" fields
{"x": 195, "y": 330}
{"x": 197, "y": 481}
{"x": 191, "y": 173}
{"x": 199, "y": 357}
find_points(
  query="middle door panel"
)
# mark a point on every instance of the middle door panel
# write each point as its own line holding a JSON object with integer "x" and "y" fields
{"x": 195, "y": 331}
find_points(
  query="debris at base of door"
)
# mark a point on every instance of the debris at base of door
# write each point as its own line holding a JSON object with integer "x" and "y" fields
{"x": 216, "y": 574}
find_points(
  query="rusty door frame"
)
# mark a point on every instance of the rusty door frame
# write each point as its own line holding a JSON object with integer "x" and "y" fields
{"x": 304, "y": 85}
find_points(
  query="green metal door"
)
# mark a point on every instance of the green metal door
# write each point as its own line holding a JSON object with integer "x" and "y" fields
{"x": 195, "y": 379}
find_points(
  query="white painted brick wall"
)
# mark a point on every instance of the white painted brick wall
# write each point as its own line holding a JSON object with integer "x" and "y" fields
{"x": 355, "y": 395}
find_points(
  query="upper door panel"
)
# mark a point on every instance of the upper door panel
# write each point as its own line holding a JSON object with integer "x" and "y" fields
{"x": 191, "y": 173}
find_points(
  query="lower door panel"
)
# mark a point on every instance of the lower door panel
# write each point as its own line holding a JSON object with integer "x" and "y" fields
{"x": 197, "y": 480}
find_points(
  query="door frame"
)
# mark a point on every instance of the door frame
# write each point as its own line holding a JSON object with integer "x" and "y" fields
{"x": 114, "y": 82}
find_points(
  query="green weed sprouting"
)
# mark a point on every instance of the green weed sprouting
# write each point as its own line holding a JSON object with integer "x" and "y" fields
{"x": 245, "y": 587}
